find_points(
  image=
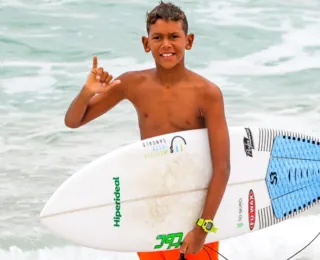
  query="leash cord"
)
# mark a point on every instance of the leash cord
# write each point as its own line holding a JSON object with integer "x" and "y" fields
{"x": 182, "y": 257}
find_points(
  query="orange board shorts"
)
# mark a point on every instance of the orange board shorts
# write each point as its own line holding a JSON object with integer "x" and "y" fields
{"x": 207, "y": 253}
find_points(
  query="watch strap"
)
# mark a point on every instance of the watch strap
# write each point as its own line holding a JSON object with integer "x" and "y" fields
{"x": 203, "y": 223}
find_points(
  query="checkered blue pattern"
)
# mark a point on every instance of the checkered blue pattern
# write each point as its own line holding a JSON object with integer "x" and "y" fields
{"x": 296, "y": 147}
{"x": 293, "y": 176}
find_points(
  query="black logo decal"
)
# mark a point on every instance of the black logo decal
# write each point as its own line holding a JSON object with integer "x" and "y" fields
{"x": 248, "y": 143}
{"x": 273, "y": 178}
{"x": 177, "y": 148}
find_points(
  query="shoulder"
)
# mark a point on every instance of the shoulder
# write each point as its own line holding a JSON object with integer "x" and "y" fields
{"x": 212, "y": 93}
{"x": 208, "y": 91}
{"x": 134, "y": 76}
{"x": 212, "y": 105}
{"x": 131, "y": 79}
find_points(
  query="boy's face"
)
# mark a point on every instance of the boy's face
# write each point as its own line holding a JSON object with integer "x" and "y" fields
{"x": 167, "y": 42}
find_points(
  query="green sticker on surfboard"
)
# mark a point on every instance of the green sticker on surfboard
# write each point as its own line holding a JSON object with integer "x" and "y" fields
{"x": 172, "y": 240}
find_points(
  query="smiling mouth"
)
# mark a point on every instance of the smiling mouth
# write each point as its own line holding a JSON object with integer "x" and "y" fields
{"x": 167, "y": 54}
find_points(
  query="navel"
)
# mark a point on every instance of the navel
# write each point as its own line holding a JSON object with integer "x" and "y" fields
{"x": 200, "y": 112}
{"x": 146, "y": 115}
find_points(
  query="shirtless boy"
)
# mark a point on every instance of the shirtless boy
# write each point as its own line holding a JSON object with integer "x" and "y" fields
{"x": 167, "y": 98}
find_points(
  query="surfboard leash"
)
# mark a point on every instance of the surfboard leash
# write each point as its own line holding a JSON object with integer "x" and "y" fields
{"x": 182, "y": 257}
{"x": 305, "y": 246}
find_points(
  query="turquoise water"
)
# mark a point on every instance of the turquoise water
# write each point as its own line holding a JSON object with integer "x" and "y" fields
{"x": 265, "y": 56}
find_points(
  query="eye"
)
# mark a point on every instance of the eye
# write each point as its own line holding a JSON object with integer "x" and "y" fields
{"x": 156, "y": 38}
{"x": 175, "y": 36}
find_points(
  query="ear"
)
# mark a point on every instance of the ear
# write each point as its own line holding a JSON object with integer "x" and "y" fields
{"x": 189, "y": 41}
{"x": 145, "y": 43}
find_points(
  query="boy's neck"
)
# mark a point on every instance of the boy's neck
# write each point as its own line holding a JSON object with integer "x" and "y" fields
{"x": 171, "y": 76}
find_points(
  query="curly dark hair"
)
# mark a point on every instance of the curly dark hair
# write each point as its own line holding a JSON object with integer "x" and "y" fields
{"x": 168, "y": 12}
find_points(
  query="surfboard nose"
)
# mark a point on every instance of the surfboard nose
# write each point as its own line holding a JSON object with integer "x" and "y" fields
{"x": 64, "y": 199}
{"x": 44, "y": 211}
{"x": 88, "y": 187}
{"x": 73, "y": 196}
{"x": 54, "y": 205}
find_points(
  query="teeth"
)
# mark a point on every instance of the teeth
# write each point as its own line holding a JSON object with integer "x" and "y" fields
{"x": 167, "y": 54}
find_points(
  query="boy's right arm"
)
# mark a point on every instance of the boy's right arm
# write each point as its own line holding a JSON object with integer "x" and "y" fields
{"x": 96, "y": 97}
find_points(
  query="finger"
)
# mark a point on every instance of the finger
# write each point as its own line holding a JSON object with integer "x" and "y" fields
{"x": 108, "y": 79}
{"x": 189, "y": 251}
{"x": 99, "y": 73}
{"x": 183, "y": 247}
{"x": 113, "y": 83}
{"x": 192, "y": 250}
{"x": 95, "y": 62}
{"x": 105, "y": 75}
{"x": 94, "y": 71}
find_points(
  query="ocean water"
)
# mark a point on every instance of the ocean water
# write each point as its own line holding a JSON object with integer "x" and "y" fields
{"x": 265, "y": 56}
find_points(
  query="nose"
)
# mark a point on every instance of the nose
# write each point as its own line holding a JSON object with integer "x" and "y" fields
{"x": 166, "y": 43}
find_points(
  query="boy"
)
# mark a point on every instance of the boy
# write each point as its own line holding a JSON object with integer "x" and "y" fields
{"x": 167, "y": 98}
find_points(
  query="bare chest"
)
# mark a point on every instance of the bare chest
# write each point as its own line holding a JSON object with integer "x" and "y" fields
{"x": 164, "y": 110}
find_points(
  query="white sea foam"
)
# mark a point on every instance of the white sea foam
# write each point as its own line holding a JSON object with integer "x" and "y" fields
{"x": 290, "y": 55}
{"x": 62, "y": 253}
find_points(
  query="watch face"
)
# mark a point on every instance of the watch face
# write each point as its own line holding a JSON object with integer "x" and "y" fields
{"x": 209, "y": 226}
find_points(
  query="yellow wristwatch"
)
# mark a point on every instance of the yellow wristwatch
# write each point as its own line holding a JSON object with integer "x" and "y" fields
{"x": 207, "y": 225}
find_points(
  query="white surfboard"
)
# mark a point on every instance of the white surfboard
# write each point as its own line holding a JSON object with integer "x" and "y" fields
{"x": 147, "y": 195}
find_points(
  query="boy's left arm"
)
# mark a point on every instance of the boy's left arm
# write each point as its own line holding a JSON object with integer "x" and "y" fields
{"x": 220, "y": 154}
{"x": 220, "y": 150}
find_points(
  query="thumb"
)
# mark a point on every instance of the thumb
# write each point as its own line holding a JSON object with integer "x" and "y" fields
{"x": 183, "y": 247}
{"x": 115, "y": 82}
{"x": 95, "y": 62}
